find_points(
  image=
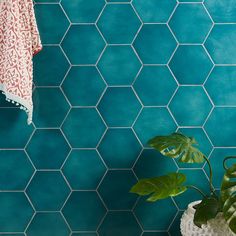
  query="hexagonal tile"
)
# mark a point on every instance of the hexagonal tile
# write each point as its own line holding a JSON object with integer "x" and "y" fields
{"x": 14, "y": 219}
{"x": 153, "y": 49}
{"x": 52, "y": 72}
{"x": 203, "y": 144}
{"x": 50, "y": 107}
{"x": 119, "y": 65}
{"x": 119, "y": 148}
{"x": 174, "y": 229}
{"x": 82, "y": 12}
{"x": 15, "y": 170}
{"x": 84, "y": 211}
{"x": 155, "y": 85}
{"x": 43, "y": 149}
{"x": 80, "y": 83}
{"x": 83, "y": 44}
{"x": 189, "y": 101}
{"x": 163, "y": 233}
{"x": 191, "y": 64}
{"x": 120, "y": 223}
{"x": 152, "y": 11}
{"x": 122, "y": 17}
{"x": 12, "y": 123}
{"x": 152, "y": 122}
{"x": 81, "y": 164}
{"x": 221, "y": 86}
{"x": 84, "y": 234}
{"x": 119, "y": 106}
{"x": 52, "y": 27}
{"x": 151, "y": 163}
{"x": 221, "y": 44}
{"x": 47, "y": 224}
{"x": 190, "y": 23}
{"x": 221, "y": 127}
{"x": 79, "y": 123}
{"x": 221, "y": 11}
{"x": 115, "y": 187}
{"x": 197, "y": 178}
{"x": 48, "y": 190}
{"x": 216, "y": 159}
{"x": 151, "y": 215}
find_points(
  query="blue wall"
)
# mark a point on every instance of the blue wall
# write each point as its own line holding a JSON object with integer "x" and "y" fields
{"x": 112, "y": 75}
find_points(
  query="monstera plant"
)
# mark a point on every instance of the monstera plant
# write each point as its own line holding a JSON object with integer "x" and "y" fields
{"x": 184, "y": 149}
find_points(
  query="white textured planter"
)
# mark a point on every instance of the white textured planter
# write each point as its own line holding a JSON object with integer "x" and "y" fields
{"x": 215, "y": 227}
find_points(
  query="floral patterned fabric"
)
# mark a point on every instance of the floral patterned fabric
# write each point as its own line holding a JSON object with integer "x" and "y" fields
{"x": 19, "y": 41}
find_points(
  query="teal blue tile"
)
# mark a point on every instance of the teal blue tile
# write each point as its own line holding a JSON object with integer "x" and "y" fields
{"x": 197, "y": 178}
{"x": 50, "y": 107}
{"x": 152, "y": 11}
{"x": 119, "y": 107}
{"x": 190, "y": 23}
{"x": 83, "y": 44}
{"x": 51, "y": 1}
{"x": 43, "y": 149}
{"x": 155, "y": 234}
{"x": 4, "y": 102}
{"x": 221, "y": 44}
{"x": 84, "y": 234}
{"x": 152, "y": 122}
{"x": 15, "y": 170}
{"x": 221, "y": 86}
{"x": 53, "y": 71}
{"x": 216, "y": 159}
{"x": 48, "y": 224}
{"x": 81, "y": 164}
{"x": 15, "y": 212}
{"x": 119, "y": 65}
{"x": 115, "y": 187}
{"x": 189, "y": 101}
{"x": 48, "y": 191}
{"x": 190, "y": 1}
{"x": 17, "y": 234}
{"x": 151, "y": 215}
{"x": 81, "y": 11}
{"x": 84, "y": 211}
{"x": 155, "y": 85}
{"x": 174, "y": 229}
{"x": 119, "y": 223}
{"x": 12, "y": 123}
{"x": 119, "y": 23}
{"x": 151, "y": 163}
{"x": 52, "y": 27}
{"x": 118, "y": 0}
{"x": 80, "y": 83}
{"x": 83, "y": 127}
{"x": 152, "y": 48}
{"x": 119, "y": 148}
{"x": 191, "y": 64}
{"x": 221, "y": 127}
{"x": 221, "y": 11}
{"x": 203, "y": 144}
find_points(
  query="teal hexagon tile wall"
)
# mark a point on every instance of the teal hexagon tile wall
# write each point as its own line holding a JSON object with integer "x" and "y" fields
{"x": 119, "y": 148}
{"x": 191, "y": 64}
{"x": 119, "y": 65}
{"x": 113, "y": 74}
{"x": 48, "y": 224}
{"x": 83, "y": 163}
{"x": 190, "y": 23}
{"x": 153, "y": 49}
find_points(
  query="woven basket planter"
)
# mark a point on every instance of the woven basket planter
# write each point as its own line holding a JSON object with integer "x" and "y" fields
{"x": 215, "y": 227}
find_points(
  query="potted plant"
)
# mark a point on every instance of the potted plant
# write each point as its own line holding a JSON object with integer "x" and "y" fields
{"x": 215, "y": 214}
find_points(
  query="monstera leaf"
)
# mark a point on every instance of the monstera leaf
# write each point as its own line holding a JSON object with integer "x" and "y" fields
{"x": 179, "y": 146}
{"x": 165, "y": 186}
{"x": 228, "y": 196}
{"x": 207, "y": 209}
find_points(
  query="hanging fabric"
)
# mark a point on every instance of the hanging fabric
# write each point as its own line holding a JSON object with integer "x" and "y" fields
{"x": 19, "y": 42}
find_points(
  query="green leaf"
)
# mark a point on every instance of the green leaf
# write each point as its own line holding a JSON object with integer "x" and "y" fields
{"x": 179, "y": 146}
{"x": 206, "y": 210}
{"x": 228, "y": 196}
{"x": 162, "y": 187}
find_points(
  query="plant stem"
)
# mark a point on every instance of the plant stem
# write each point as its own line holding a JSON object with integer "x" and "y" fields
{"x": 197, "y": 189}
{"x": 211, "y": 175}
